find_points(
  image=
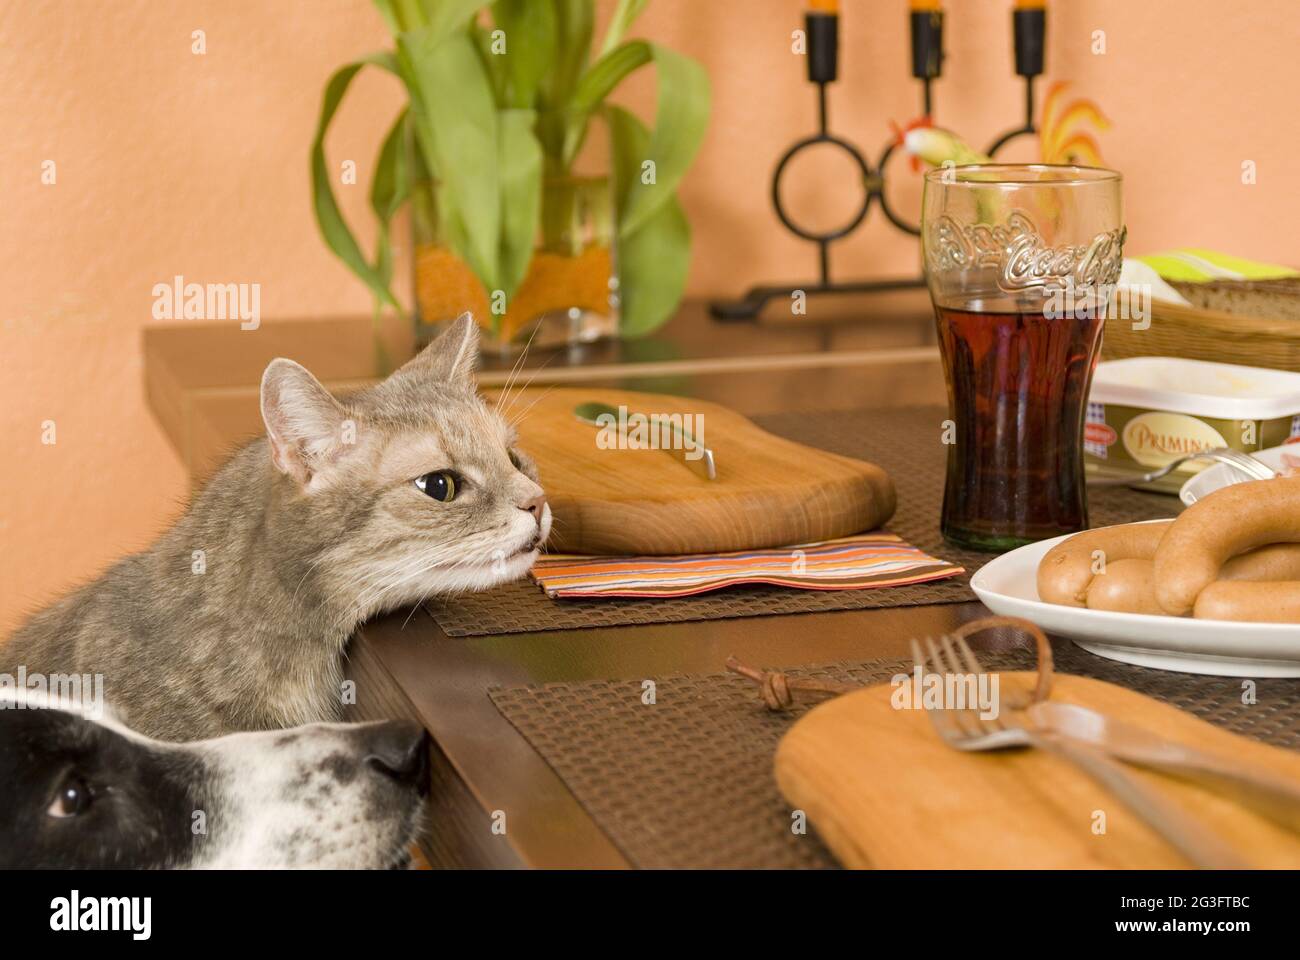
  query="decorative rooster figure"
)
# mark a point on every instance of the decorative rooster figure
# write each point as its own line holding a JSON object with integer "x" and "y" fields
{"x": 935, "y": 146}
{"x": 1060, "y": 139}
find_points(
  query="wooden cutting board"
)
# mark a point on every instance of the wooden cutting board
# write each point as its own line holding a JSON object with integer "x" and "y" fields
{"x": 883, "y": 791}
{"x": 769, "y": 491}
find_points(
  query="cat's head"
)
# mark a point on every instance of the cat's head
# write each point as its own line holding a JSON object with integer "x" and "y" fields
{"x": 412, "y": 488}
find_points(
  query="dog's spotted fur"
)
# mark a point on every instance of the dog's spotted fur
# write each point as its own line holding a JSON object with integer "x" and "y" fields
{"x": 324, "y": 795}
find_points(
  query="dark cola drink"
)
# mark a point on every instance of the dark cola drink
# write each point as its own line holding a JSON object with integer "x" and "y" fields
{"x": 1017, "y": 391}
{"x": 1021, "y": 261}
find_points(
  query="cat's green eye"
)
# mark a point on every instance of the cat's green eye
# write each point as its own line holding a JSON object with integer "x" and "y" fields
{"x": 441, "y": 485}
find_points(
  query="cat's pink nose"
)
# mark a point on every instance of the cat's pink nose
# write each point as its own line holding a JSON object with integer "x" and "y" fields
{"x": 534, "y": 506}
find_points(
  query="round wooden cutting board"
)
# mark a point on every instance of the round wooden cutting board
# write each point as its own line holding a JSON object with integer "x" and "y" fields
{"x": 769, "y": 491}
{"x": 883, "y": 791}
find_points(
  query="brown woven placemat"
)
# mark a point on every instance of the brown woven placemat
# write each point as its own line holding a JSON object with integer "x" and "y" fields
{"x": 905, "y": 442}
{"x": 687, "y": 781}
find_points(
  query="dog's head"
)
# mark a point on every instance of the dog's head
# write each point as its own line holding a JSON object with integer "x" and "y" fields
{"x": 82, "y": 792}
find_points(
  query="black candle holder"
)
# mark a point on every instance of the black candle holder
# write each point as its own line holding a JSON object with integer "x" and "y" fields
{"x": 1029, "y": 30}
{"x": 822, "y": 33}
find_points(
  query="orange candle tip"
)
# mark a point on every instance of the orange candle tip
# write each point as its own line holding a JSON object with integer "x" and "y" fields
{"x": 925, "y": 6}
{"x": 1031, "y": 4}
{"x": 825, "y": 6}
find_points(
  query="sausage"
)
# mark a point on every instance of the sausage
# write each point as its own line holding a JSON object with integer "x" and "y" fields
{"x": 1268, "y": 601}
{"x": 1067, "y": 569}
{"x": 1277, "y": 561}
{"x": 1231, "y": 520}
{"x": 1127, "y": 586}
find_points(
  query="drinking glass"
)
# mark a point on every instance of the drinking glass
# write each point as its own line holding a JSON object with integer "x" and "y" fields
{"x": 1021, "y": 262}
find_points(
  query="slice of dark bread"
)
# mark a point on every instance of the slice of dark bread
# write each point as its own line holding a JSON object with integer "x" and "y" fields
{"x": 1267, "y": 299}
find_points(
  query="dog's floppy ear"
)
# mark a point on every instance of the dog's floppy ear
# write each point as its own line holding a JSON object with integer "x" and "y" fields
{"x": 453, "y": 357}
{"x": 306, "y": 427}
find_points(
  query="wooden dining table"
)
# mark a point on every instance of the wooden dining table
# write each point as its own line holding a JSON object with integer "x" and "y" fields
{"x": 495, "y": 802}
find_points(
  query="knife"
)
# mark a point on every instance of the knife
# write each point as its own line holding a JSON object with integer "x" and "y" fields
{"x": 1266, "y": 793}
{"x": 703, "y": 465}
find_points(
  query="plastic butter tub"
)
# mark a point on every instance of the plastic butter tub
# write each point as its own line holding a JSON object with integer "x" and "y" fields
{"x": 1145, "y": 411}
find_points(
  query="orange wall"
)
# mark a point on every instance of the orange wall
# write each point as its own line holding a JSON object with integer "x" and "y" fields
{"x": 169, "y": 163}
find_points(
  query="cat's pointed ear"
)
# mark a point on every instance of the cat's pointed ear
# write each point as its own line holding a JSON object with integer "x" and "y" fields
{"x": 306, "y": 427}
{"x": 453, "y": 357}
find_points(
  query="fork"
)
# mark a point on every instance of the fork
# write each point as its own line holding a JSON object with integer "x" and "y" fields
{"x": 967, "y": 730}
{"x": 1252, "y": 468}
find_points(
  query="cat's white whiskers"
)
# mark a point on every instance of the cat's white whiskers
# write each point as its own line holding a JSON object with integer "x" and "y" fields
{"x": 374, "y": 583}
{"x": 503, "y": 403}
{"x": 373, "y": 595}
{"x": 529, "y": 409}
{"x": 310, "y": 567}
{"x": 402, "y": 570}
{"x": 418, "y": 604}
{"x": 369, "y": 603}
{"x": 371, "y": 580}
{"x": 524, "y": 388}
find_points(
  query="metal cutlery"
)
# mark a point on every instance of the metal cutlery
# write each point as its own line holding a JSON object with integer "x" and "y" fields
{"x": 965, "y": 729}
{"x": 1271, "y": 796}
{"x": 1247, "y": 465}
{"x": 704, "y": 465}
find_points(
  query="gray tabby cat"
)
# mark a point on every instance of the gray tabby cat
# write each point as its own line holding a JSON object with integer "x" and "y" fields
{"x": 347, "y": 508}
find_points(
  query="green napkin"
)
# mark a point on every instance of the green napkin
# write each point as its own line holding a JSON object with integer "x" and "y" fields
{"x": 1200, "y": 266}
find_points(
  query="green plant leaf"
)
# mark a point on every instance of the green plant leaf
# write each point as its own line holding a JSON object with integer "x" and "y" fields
{"x": 654, "y": 258}
{"x": 594, "y": 86}
{"x": 456, "y": 128}
{"x": 413, "y": 14}
{"x": 489, "y": 129}
{"x": 653, "y": 263}
{"x": 333, "y": 227}
{"x": 530, "y": 33}
{"x": 389, "y": 13}
{"x": 520, "y": 166}
{"x": 444, "y": 17}
{"x": 389, "y": 188}
{"x": 492, "y": 63}
{"x": 599, "y": 81}
{"x": 681, "y": 117}
{"x": 624, "y": 15}
{"x": 574, "y": 23}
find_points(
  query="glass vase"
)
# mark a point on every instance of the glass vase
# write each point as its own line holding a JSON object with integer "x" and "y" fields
{"x": 569, "y": 294}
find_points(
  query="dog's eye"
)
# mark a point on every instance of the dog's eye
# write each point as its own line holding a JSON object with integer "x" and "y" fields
{"x": 73, "y": 799}
{"x": 440, "y": 485}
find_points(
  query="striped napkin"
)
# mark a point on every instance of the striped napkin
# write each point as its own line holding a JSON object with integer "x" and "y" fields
{"x": 860, "y": 562}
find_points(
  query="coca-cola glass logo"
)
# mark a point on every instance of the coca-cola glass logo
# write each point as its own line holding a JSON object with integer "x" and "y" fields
{"x": 1023, "y": 259}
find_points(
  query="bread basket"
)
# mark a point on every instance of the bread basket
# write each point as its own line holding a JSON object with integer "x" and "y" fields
{"x": 1250, "y": 322}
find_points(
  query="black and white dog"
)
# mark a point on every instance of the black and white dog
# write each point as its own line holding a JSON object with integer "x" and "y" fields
{"x": 78, "y": 790}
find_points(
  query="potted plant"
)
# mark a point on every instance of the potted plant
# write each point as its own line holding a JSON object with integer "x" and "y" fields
{"x": 502, "y": 97}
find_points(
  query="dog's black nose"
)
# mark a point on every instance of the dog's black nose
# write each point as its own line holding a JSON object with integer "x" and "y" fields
{"x": 400, "y": 750}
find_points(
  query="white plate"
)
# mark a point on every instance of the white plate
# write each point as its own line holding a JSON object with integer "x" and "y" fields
{"x": 1008, "y": 585}
{"x": 1221, "y": 475}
